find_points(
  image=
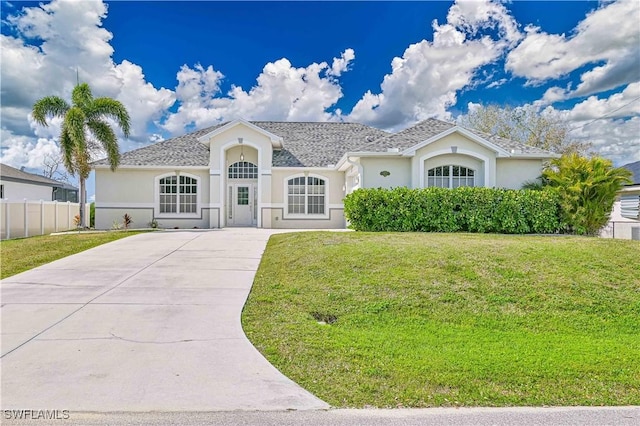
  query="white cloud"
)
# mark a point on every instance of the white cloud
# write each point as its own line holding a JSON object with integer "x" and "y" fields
{"x": 609, "y": 34}
{"x": 144, "y": 102}
{"x": 424, "y": 82}
{"x": 282, "y": 92}
{"x": 341, "y": 64}
{"x": 618, "y": 105}
{"x": 26, "y": 151}
{"x": 70, "y": 38}
{"x": 611, "y": 124}
{"x": 615, "y": 139}
{"x": 155, "y": 137}
{"x": 194, "y": 84}
{"x": 496, "y": 83}
{"x": 473, "y": 16}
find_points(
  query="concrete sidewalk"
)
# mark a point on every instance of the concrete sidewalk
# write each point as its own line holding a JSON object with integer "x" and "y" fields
{"x": 147, "y": 323}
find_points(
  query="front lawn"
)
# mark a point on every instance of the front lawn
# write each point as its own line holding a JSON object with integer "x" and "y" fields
{"x": 418, "y": 320}
{"x": 27, "y": 253}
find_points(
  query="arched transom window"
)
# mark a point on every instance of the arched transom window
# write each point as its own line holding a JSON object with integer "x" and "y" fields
{"x": 306, "y": 195}
{"x": 178, "y": 194}
{"x": 451, "y": 176}
{"x": 243, "y": 170}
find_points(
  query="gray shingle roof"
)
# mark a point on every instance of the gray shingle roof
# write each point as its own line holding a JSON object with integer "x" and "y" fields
{"x": 318, "y": 144}
{"x": 634, "y": 168}
{"x": 431, "y": 127}
{"x": 305, "y": 144}
{"x": 20, "y": 175}
{"x": 183, "y": 150}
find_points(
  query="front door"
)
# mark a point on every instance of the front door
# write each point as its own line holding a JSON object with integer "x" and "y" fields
{"x": 242, "y": 204}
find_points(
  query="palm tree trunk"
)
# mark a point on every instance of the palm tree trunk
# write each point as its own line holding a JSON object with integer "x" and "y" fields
{"x": 83, "y": 201}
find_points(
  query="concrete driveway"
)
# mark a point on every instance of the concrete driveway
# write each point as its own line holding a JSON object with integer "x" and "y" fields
{"x": 147, "y": 323}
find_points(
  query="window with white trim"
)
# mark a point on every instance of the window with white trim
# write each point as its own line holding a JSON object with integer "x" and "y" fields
{"x": 306, "y": 195}
{"x": 451, "y": 176}
{"x": 178, "y": 194}
{"x": 243, "y": 170}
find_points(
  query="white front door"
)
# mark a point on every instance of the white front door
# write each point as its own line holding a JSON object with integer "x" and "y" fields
{"x": 242, "y": 204}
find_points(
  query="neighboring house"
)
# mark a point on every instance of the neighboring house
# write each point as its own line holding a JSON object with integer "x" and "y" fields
{"x": 18, "y": 185}
{"x": 625, "y": 215}
{"x": 295, "y": 175}
{"x": 634, "y": 168}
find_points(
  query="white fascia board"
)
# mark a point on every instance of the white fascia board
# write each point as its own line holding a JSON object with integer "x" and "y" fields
{"x": 159, "y": 167}
{"x": 457, "y": 129}
{"x": 276, "y": 140}
{"x": 534, "y": 156}
{"x": 31, "y": 182}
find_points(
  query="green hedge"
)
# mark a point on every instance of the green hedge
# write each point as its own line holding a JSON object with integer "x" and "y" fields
{"x": 462, "y": 209}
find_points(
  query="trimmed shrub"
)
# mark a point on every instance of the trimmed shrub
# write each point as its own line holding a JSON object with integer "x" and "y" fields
{"x": 92, "y": 215}
{"x": 466, "y": 209}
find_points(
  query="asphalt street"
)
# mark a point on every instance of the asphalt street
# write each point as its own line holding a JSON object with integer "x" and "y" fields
{"x": 553, "y": 416}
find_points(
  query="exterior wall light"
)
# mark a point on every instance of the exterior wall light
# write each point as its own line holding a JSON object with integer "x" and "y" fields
{"x": 241, "y": 149}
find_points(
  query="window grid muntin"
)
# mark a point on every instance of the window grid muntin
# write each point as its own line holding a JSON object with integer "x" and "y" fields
{"x": 178, "y": 194}
{"x": 306, "y": 195}
{"x": 243, "y": 195}
{"x": 243, "y": 170}
{"x": 450, "y": 176}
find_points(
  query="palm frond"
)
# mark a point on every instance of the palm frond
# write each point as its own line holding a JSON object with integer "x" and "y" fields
{"x": 50, "y": 106}
{"x": 66, "y": 145}
{"x": 81, "y": 95}
{"x": 104, "y": 134}
{"x": 75, "y": 122}
{"x": 111, "y": 108}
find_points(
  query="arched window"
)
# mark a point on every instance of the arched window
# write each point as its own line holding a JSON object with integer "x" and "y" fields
{"x": 243, "y": 170}
{"x": 178, "y": 194}
{"x": 306, "y": 195}
{"x": 450, "y": 176}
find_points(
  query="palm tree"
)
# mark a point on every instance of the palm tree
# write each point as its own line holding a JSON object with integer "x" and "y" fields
{"x": 587, "y": 189}
{"x": 84, "y": 130}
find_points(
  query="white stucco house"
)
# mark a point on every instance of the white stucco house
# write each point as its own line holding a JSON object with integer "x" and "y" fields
{"x": 295, "y": 175}
{"x": 624, "y": 222}
{"x": 18, "y": 185}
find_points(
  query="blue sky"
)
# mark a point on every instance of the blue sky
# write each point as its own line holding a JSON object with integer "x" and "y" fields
{"x": 303, "y": 32}
{"x": 184, "y": 65}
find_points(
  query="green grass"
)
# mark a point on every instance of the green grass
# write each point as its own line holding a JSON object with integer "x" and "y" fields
{"x": 451, "y": 319}
{"x": 26, "y": 253}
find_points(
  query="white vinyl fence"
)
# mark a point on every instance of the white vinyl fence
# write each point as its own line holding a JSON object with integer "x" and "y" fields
{"x": 28, "y": 218}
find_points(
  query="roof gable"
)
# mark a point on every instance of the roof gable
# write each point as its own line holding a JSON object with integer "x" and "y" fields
{"x": 205, "y": 139}
{"x": 464, "y": 132}
{"x": 432, "y": 128}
